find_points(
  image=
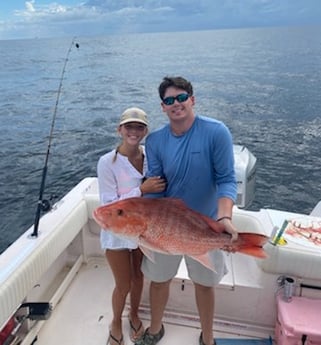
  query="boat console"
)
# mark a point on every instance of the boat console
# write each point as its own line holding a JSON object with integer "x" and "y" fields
{"x": 245, "y": 170}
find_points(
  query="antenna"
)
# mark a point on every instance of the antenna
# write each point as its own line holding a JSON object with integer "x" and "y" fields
{"x": 44, "y": 205}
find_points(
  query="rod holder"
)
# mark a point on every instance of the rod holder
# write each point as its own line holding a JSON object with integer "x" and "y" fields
{"x": 288, "y": 289}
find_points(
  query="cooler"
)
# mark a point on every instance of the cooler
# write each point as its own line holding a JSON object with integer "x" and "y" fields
{"x": 298, "y": 321}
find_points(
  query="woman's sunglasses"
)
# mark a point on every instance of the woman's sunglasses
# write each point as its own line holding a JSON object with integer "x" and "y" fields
{"x": 182, "y": 97}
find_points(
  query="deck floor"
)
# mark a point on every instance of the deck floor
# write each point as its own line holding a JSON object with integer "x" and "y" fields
{"x": 85, "y": 320}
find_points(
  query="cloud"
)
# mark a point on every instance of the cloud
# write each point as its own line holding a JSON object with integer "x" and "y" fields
{"x": 49, "y": 12}
{"x": 126, "y": 16}
{"x": 185, "y": 14}
{"x": 29, "y": 6}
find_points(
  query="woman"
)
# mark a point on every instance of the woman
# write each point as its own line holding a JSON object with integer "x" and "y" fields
{"x": 120, "y": 175}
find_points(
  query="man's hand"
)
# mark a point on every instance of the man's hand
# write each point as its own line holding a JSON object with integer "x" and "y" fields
{"x": 230, "y": 228}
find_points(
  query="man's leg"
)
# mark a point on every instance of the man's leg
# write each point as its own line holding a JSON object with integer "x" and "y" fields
{"x": 205, "y": 303}
{"x": 204, "y": 281}
{"x": 159, "y": 293}
{"x": 160, "y": 272}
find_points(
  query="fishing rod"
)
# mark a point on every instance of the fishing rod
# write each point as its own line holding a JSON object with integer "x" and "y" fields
{"x": 44, "y": 205}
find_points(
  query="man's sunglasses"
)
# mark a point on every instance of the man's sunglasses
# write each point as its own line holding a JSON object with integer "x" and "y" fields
{"x": 182, "y": 97}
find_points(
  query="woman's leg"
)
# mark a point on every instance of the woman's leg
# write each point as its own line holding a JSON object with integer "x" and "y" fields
{"x": 137, "y": 283}
{"x": 120, "y": 264}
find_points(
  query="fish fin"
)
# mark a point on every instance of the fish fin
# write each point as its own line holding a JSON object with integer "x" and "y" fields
{"x": 258, "y": 252}
{"x": 253, "y": 244}
{"x": 205, "y": 260}
{"x": 148, "y": 253}
{"x": 253, "y": 239}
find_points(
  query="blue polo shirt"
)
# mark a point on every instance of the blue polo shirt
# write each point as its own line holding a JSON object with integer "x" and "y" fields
{"x": 198, "y": 165}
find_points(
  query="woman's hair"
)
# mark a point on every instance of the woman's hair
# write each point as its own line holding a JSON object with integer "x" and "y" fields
{"x": 176, "y": 82}
{"x": 115, "y": 155}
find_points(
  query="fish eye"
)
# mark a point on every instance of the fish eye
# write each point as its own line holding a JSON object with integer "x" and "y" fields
{"x": 120, "y": 212}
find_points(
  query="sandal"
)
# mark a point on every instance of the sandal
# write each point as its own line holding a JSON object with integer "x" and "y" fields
{"x": 135, "y": 333}
{"x": 201, "y": 342}
{"x": 151, "y": 339}
{"x": 118, "y": 341}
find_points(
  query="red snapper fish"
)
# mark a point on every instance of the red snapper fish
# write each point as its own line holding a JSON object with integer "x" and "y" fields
{"x": 168, "y": 226}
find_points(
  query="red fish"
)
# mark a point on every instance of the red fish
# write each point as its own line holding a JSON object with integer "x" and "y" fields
{"x": 168, "y": 226}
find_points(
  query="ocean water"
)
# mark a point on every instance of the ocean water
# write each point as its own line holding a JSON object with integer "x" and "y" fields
{"x": 264, "y": 83}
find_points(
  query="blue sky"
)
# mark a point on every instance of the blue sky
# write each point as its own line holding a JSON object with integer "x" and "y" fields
{"x": 45, "y": 18}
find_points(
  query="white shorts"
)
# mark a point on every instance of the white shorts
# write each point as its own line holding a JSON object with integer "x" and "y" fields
{"x": 108, "y": 240}
{"x": 165, "y": 268}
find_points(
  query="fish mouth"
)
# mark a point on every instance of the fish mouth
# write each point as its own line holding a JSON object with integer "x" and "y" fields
{"x": 97, "y": 218}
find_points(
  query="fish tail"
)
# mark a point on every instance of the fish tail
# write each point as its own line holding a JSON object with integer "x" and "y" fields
{"x": 252, "y": 244}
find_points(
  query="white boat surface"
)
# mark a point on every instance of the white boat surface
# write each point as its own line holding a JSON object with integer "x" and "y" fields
{"x": 64, "y": 268}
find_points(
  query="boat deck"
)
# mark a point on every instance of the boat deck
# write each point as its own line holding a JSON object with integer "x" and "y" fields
{"x": 85, "y": 320}
{"x": 65, "y": 268}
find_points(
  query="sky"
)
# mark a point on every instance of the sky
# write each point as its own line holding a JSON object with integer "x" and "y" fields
{"x": 45, "y": 18}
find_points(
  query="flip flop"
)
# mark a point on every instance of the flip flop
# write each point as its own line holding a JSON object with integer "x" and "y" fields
{"x": 118, "y": 341}
{"x": 201, "y": 342}
{"x": 136, "y": 333}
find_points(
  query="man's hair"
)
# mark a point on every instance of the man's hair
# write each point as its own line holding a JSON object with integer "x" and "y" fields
{"x": 176, "y": 82}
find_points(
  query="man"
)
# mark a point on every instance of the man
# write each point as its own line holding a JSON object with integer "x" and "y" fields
{"x": 195, "y": 156}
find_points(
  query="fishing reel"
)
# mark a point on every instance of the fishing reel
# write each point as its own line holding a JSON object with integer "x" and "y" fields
{"x": 45, "y": 205}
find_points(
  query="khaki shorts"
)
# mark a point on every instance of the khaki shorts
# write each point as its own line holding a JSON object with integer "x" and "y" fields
{"x": 165, "y": 268}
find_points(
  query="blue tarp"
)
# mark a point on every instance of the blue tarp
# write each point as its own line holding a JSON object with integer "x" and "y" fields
{"x": 225, "y": 341}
